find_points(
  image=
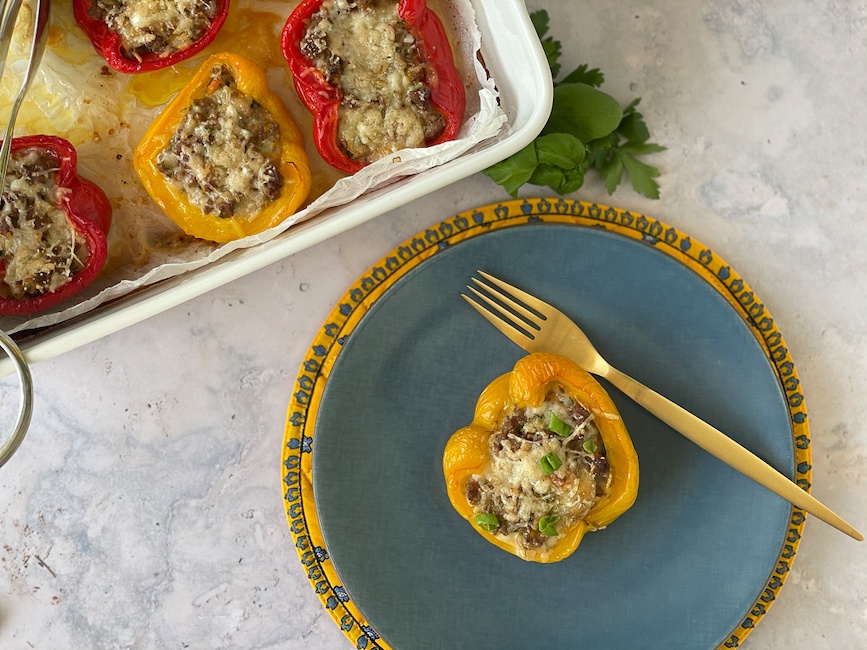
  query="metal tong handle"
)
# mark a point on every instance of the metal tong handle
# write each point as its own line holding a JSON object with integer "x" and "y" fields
{"x": 11, "y": 11}
{"x": 25, "y": 409}
{"x": 37, "y": 47}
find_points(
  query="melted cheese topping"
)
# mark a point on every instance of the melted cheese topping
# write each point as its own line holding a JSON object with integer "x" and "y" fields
{"x": 364, "y": 48}
{"x": 40, "y": 248}
{"x": 222, "y": 154}
{"x": 514, "y": 486}
{"x": 159, "y": 26}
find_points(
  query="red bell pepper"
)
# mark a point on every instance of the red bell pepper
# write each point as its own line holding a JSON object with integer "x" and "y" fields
{"x": 447, "y": 94}
{"x": 108, "y": 43}
{"x": 89, "y": 213}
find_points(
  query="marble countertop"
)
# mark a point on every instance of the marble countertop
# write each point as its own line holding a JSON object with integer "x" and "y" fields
{"x": 144, "y": 508}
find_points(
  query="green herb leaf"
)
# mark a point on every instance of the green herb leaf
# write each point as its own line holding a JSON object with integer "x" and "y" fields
{"x": 589, "y": 446}
{"x": 641, "y": 176}
{"x": 487, "y": 521}
{"x": 572, "y": 180}
{"x": 583, "y": 74}
{"x": 632, "y": 126}
{"x": 547, "y": 523}
{"x": 587, "y": 128}
{"x": 583, "y": 111}
{"x": 599, "y": 150}
{"x": 558, "y": 426}
{"x": 562, "y": 150}
{"x": 640, "y": 148}
{"x": 550, "y": 463}
{"x": 547, "y": 175}
{"x": 515, "y": 170}
{"x": 632, "y": 105}
{"x": 552, "y": 51}
{"x": 540, "y": 21}
{"x": 552, "y": 48}
{"x": 611, "y": 173}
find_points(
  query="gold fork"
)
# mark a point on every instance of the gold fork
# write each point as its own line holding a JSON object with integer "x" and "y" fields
{"x": 549, "y": 330}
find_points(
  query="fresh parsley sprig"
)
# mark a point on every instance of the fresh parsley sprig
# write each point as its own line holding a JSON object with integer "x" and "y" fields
{"x": 587, "y": 129}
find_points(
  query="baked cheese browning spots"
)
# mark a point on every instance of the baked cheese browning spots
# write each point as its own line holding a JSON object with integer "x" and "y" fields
{"x": 364, "y": 48}
{"x": 161, "y": 27}
{"x": 40, "y": 248}
{"x": 222, "y": 155}
{"x": 515, "y": 487}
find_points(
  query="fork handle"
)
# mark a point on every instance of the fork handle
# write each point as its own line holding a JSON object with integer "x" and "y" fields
{"x": 727, "y": 450}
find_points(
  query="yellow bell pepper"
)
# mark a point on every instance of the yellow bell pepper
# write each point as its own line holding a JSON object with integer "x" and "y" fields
{"x": 533, "y": 378}
{"x": 293, "y": 163}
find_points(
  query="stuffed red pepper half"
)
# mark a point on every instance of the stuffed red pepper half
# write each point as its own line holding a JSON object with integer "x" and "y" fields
{"x": 378, "y": 76}
{"x": 144, "y": 35}
{"x": 53, "y": 226}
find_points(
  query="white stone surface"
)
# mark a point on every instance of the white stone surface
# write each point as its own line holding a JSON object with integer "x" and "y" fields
{"x": 144, "y": 509}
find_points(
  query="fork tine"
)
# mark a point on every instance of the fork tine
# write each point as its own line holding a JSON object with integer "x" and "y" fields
{"x": 528, "y": 299}
{"x": 531, "y": 317}
{"x": 516, "y": 336}
{"x": 507, "y": 316}
{"x": 528, "y": 324}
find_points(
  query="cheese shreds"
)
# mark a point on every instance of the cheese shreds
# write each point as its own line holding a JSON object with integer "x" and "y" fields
{"x": 364, "y": 48}
{"x": 162, "y": 27}
{"x": 40, "y": 248}
{"x": 514, "y": 486}
{"x": 222, "y": 153}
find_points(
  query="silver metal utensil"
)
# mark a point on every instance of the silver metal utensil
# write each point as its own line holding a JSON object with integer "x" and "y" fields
{"x": 25, "y": 408}
{"x": 12, "y": 12}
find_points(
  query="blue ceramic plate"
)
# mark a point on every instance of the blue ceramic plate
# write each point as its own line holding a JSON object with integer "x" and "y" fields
{"x": 700, "y": 556}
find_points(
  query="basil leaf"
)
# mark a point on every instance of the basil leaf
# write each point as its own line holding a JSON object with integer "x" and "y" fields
{"x": 547, "y": 175}
{"x": 583, "y": 111}
{"x": 586, "y": 128}
{"x": 562, "y": 150}
{"x": 515, "y": 170}
{"x": 572, "y": 180}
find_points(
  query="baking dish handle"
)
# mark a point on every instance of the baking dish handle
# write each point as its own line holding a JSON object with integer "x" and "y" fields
{"x": 25, "y": 409}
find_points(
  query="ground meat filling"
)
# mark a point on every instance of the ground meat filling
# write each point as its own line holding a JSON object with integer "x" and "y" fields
{"x": 40, "y": 248}
{"x": 222, "y": 155}
{"x": 364, "y": 48}
{"x": 160, "y": 27}
{"x": 514, "y": 486}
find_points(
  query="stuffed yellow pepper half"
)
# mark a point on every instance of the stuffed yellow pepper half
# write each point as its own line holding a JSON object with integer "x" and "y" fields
{"x": 546, "y": 459}
{"x": 225, "y": 159}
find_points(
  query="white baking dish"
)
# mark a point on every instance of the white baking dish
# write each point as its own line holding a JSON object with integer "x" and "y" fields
{"x": 515, "y": 59}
